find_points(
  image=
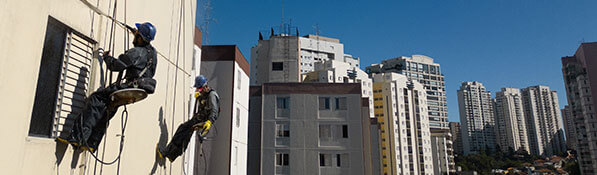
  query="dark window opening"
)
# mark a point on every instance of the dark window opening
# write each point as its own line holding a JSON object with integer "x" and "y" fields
{"x": 277, "y": 66}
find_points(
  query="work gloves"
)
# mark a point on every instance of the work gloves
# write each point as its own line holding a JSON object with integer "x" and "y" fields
{"x": 205, "y": 126}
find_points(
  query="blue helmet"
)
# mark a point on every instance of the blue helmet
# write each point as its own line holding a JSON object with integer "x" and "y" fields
{"x": 200, "y": 81}
{"x": 147, "y": 31}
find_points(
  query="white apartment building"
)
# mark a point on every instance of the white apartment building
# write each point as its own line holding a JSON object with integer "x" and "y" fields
{"x": 283, "y": 58}
{"x": 580, "y": 79}
{"x": 332, "y": 71}
{"x": 48, "y": 49}
{"x": 309, "y": 128}
{"x": 511, "y": 132}
{"x": 476, "y": 117}
{"x": 400, "y": 107}
{"x": 543, "y": 119}
{"x": 228, "y": 73}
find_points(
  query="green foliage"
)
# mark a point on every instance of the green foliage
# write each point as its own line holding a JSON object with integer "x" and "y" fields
{"x": 572, "y": 167}
{"x": 484, "y": 162}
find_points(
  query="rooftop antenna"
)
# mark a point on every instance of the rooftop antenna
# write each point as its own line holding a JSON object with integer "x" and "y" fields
{"x": 282, "y": 27}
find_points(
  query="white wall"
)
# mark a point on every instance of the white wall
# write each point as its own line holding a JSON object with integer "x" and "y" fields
{"x": 22, "y": 38}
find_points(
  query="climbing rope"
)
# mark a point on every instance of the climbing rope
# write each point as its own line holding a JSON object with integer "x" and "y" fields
{"x": 123, "y": 121}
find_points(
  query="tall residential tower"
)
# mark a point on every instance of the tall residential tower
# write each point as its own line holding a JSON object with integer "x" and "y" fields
{"x": 511, "y": 132}
{"x": 476, "y": 116}
{"x": 543, "y": 119}
{"x": 580, "y": 76}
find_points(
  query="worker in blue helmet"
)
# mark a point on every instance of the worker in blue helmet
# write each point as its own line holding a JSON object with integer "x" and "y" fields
{"x": 139, "y": 63}
{"x": 207, "y": 108}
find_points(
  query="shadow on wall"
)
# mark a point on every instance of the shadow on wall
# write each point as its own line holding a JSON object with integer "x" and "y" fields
{"x": 77, "y": 107}
{"x": 162, "y": 141}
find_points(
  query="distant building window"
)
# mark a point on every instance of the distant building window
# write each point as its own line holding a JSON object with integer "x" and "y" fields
{"x": 283, "y": 102}
{"x": 340, "y": 103}
{"x": 282, "y": 159}
{"x": 238, "y": 79}
{"x": 325, "y": 159}
{"x": 237, "y": 117}
{"x": 282, "y": 130}
{"x": 63, "y": 80}
{"x": 344, "y": 131}
{"x": 277, "y": 66}
{"x": 324, "y": 103}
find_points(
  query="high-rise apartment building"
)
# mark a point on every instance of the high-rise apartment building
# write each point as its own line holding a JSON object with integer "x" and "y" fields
{"x": 428, "y": 73}
{"x": 543, "y": 119}
{"x": 425, "y": 71}
{"x": 511, "y": 132}
{"x": 401, "y": 110}
{"x": 284, "y": 58}
{"x": 309, "y": 128}
{"x": 580, "y": 77}
{"x": 569, "y": 127}
{"x": 476, "y": 116}
{"x": 456, "y": 138}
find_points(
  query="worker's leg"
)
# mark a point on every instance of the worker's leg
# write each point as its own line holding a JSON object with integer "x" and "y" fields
{"x": 99, "y": 129}
{"x": 180, "y": 140}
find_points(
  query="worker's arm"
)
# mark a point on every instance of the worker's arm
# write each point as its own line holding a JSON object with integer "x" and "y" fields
{"x": 214, "y": 105}
{"x": 124, "y": 60}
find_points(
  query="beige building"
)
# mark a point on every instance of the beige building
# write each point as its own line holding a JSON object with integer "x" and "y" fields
{"x": 400, "y": 107}
{"x": 580, "y": 77}
{"x": 543, "y": 119}
{"x": 511, "y": 132}
{"x": 476, "y": 117}
{"x": 228, "y": 73}
{"x": 48, "y": 50}
{"x": 309, "y": 128}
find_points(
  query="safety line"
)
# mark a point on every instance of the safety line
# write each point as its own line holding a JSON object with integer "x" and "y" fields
{"x": 125, "y": 26}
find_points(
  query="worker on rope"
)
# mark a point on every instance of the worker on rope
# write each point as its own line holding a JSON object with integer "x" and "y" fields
{"x": 139, "y": 63}
{"x": 207, "y": 108}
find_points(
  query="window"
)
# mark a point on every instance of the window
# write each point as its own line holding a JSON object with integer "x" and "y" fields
{"x": 344, "y": 131}
{"x": 325, "y": 160}
{"x": 324, "y": 103}
{"x": 235, "y": 155}
{"x": 282, "y": 130}
{"x": 277, "y": 66}
{"x": 62, "y": 81}
{"x": 325, "y": 132}
{"x": 282, "y": 159}
{"x": 238, "y": 79}
{"x": 283, "y": 102}
{"x": 340, "y": 103}
{"x": 237, "y": 117}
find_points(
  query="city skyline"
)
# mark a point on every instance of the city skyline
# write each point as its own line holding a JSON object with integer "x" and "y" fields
{"x": 535, "y": 34}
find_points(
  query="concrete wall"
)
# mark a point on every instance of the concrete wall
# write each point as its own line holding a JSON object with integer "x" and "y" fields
{"x": 150, "y": 121}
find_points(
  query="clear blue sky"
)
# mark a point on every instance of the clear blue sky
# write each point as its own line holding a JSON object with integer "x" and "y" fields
{"x": 501, "y": 43}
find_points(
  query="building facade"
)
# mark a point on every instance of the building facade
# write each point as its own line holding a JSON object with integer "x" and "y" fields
{"x": 428, "y": 73}
{"x": 511, "y": 132}
{"x": 228, "y": 73}
{"x": 284, "y": 58}
{"x": 401, "y": 111}
{"x": 580, "y": 78}
{"x": 543, "y": 119}
{"x": 569, "y": 127}
{"x": 332, "y": 71}
{"x": 56, "y": 41}
{"x": 309, "y": 128}
{"x": 456, "y": 138}
{"x": 476, "y": 116}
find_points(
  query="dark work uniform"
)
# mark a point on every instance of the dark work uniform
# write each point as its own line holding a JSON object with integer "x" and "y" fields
{"x": 207, "y": 107}
{"x": 90, "y": 126}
